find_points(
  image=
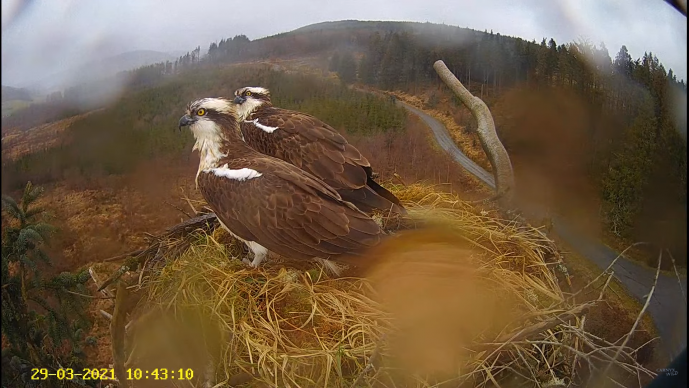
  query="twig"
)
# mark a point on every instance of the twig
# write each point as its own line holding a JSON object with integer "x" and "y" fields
{"x": 96, "y": 280}
{"x": 370, "y": 365}
{"x": 399, "y": 179}
{"x": 540, "y": 327}
{"x": 605, "y": 286}
{"x": 109, "y": 316}
{"x": 638, "y": 319}
{"x": 576, "y": 346}
{"x": 178, "y": 208}
{"x": 125, "y": 255}
{"x": 118, "y": 274}
{"x": 679, "y": 279}
{"x": 607, "y": 269}
{"x": 186, "y": 198}
{"x": 489, "y": 199}
{"x": 88, "y": 296}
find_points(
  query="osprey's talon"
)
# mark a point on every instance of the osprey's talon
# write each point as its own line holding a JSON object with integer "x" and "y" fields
{"x": 247, "y": 262}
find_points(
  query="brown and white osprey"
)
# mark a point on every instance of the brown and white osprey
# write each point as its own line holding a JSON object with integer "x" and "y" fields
{"x": 266, "y": 202}
{"x": 313, "y": 146}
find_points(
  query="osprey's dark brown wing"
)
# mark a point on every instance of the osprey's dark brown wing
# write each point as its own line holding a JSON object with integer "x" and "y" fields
{"x": 307, "y": 143}
{"x": 288, "y": 211}
{"x": 316, "y": 147}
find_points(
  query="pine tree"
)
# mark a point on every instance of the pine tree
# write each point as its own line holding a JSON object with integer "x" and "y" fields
{"x": 37, "y": 336}
{"x": 623, "y": 185}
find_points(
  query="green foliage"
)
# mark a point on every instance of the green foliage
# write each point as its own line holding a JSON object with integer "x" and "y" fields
{"x": 397, "y": 55}
{"x": 42, "y": 319}
{"x": 623, "y": 185}
{"x": 142, "y": 125}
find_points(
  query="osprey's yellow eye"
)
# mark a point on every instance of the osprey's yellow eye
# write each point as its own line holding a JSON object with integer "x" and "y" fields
{"x": 201, "y": 112}
{"x": 248, "y": 93}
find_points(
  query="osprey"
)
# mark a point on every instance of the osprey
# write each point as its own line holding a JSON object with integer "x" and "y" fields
{"x": 266, "y": 202}
{"x": 313, "y": 146}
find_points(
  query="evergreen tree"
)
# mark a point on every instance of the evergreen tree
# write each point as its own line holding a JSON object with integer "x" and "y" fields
{"x": 49, "y": 335}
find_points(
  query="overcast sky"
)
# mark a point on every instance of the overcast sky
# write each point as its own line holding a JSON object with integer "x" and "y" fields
{"x": 53, "y": 35}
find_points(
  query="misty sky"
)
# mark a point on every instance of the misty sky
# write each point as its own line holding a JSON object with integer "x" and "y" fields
{"x": 54, "y": 35}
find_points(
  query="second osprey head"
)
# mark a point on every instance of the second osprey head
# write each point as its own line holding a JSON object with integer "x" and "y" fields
{"x": 249, "y": 98}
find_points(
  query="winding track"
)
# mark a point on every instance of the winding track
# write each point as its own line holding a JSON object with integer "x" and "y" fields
{"x": 668, "y": 306}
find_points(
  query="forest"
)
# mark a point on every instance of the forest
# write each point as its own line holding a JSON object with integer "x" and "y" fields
{"x": 637, "y": 156}
{"x": 140, "y": 126}
{"x": 635, "y": 153}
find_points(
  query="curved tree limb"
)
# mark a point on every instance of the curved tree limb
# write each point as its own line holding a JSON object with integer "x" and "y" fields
{"x": 491, "y": 144}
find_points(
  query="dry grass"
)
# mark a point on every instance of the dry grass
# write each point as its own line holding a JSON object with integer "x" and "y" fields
{"x": 17, "y": 142}
{"x": 469, "y": 300}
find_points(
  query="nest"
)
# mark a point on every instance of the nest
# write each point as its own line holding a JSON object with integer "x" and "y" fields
{"x": 467, "y": 300}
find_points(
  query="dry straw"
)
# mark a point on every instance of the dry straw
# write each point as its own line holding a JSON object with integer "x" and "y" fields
{"x": 469, "y": 300}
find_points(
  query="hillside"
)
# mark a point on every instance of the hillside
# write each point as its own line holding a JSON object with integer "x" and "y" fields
{"x": 119, "y": 173}
{"x": 627, "y": 186}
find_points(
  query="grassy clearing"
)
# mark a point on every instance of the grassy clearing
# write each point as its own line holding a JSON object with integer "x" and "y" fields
{"x": 469, "y": 300}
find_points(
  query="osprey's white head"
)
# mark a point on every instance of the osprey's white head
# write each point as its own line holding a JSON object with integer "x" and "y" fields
{"x": 250, "y": 98}
{"x": 207, "y": 116}
{"x": 212, "y": 121}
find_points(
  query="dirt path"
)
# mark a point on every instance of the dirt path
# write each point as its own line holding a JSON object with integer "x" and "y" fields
{"x": 667, "y": 307}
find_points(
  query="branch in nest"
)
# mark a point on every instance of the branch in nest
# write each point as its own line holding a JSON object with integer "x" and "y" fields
{"x": 489, "y": 199}
{"x": 540, "y": 327}
{"x": 210, "y": 220}
{"x": 638, "y": 318}
{"x": 371, "y": 362}
{"x": 206, "y": 222}
{"x": 123, "y": 256}
{"x": 178, "y": 209}
{"x": 118, "y": 274}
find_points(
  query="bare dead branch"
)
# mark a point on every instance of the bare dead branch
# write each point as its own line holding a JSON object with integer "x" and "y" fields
{"x": 492, "y": 198}
{"x": 399, "y": 179}
{"x": 679, "y": 278}
{"x": 96, "y": 280}
{"x": 118, "y": 331}
{"x": 371, "y": 362}
{"x": 178, "y": 209}
{"x": 540, "y": 327}
{"x": 638, "y": 318}
{"x": 491, "y": 144}
{"x": 123, "y": 256}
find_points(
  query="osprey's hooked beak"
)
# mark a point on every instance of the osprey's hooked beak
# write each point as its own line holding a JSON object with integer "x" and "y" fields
{"x": 185, "y": 121}
{"x": 239, "y": 100}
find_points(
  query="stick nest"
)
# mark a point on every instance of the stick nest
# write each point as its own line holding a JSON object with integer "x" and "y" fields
{"x": 467, "y": 300}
